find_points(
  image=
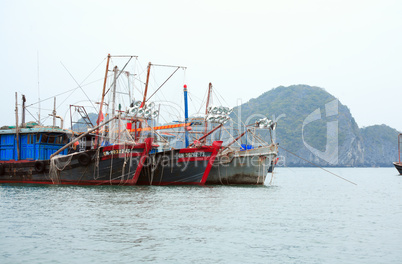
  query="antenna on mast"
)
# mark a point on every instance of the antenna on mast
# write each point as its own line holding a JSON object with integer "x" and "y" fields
{"x": 37, "y": 59}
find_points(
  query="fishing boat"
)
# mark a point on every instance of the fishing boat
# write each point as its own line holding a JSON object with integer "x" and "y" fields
{"x": 243, "y": 166}
{"x": 25, "y": 152}
{"x": 184, "y": 166}
{"x": 174, "y": 165}
{"x": 115, "y": 164}
{"x": 238, "y": 163}
{"x": 118, "y": 164}
{"x": 122, "y": 150}
{"x": 48, "y": 154}
{"x": 398, "y": 165}
{"x": 246, "y": 164}
{"x": 235, "y": 163}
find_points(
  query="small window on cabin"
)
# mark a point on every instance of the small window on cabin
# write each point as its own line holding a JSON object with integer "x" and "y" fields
{"x": 59, "y": 139}
{"x": 52, "y": 139}
{"x": 44, "y": 138}
{"x": 65, "y": 139}
{"x": 37, "y": 138}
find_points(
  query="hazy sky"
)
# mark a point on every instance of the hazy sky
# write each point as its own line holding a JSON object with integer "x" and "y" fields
{"x": 245, "y": 48}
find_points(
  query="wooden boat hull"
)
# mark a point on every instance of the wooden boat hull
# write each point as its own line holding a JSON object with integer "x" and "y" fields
{"x": 110, "y": 165}
{"x": 243, "y": 167}
{"x": 187, "y": 166}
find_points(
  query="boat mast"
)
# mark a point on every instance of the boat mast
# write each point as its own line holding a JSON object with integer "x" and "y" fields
{"x": 206, "y": 108}
{"x": 115, "y": 69}
{"x": 54, "y": 113}
{"x": 37, "y": 60}
{"x": 185, "y": 115}
{"x": 23, "y": 110}
{"x": 128, "y": 86}
{"x": 102, "y": 100}
{"x": 111, "y": 134}
{"x": 146, "y": 86}
{"x": 104, "y": 88}
{"x": 16, "y": 126}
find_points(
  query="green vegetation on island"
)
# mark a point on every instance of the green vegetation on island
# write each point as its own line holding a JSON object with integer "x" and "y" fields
{"x": 306, "y": 118}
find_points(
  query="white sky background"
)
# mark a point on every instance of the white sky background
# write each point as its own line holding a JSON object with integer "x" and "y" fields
{"x": 245, "y": 48}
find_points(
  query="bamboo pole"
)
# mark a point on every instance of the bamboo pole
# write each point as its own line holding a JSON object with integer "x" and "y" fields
{"x": 236, "y": 139}
{"x": 146, "y": 86}
{"x": 206, "y": 107}
{"x": 17, "y": 127}
{"x": 81, "y": 136}
{"x": 103, "y": 98}
{"x": 206, "y": 135}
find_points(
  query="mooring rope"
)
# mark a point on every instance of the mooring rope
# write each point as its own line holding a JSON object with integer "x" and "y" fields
{"x": 272, "y": 174}
{"x": 317, "y": 166}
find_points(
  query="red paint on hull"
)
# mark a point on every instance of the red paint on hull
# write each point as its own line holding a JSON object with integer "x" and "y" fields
{"x": 216, "y": 146}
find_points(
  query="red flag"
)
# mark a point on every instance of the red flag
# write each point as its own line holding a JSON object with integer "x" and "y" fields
{"x": 100, "y": 118}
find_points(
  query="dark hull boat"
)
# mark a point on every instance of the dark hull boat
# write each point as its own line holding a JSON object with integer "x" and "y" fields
{"x": 186, "y": 166}
{"x": 110, "y": 165}
{"x": 243, "y": 167}
{"x": 107, "y": 153}
{"x": 398, "y": 166}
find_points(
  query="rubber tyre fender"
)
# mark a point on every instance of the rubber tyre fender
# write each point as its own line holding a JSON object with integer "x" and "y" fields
{"x": 40, "y": 166}
{"x": 84, "y": 159}
{"x": 1, "y": 169}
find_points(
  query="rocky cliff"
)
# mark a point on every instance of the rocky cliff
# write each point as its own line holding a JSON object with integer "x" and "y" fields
{"x": 380, "y": 145}
{"x": 316, "y": 126}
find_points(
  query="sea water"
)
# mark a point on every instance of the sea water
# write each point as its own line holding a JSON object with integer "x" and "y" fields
{"x": 301, "y": 215}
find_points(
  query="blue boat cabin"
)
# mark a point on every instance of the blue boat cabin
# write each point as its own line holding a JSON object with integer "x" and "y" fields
{"x": 34, "y": 145}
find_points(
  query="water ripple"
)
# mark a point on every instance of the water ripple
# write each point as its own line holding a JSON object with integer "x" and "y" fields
{"x": 307, "y": 216}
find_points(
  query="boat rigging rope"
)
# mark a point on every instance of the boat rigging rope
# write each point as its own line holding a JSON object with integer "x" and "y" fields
{"x": 219, "y": 174}
{"x": 190, "y": 96}
{"x": 162, "y": 84}
{"x": 259, "y": 139}
{"x": 125, "y": 162}
{"x": 78, "y": 85}
{"x": 163, "y": 169}
{"x": 120, "y": 72}
{"x": 238, "y": 118}
{"x": 153, "y": 168}
{"x": 96, "y": 166}
{"x": 111, "y": 169}
{"x": 202, "y": 102}
{"x": 56, "y": 165}
{"x": 38, "y": 121}
{"x": 317, "y": 165}
{"x": 232, "y": 136}
{"x": 72, "y": 90}
{"x": 272, "y": 176}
